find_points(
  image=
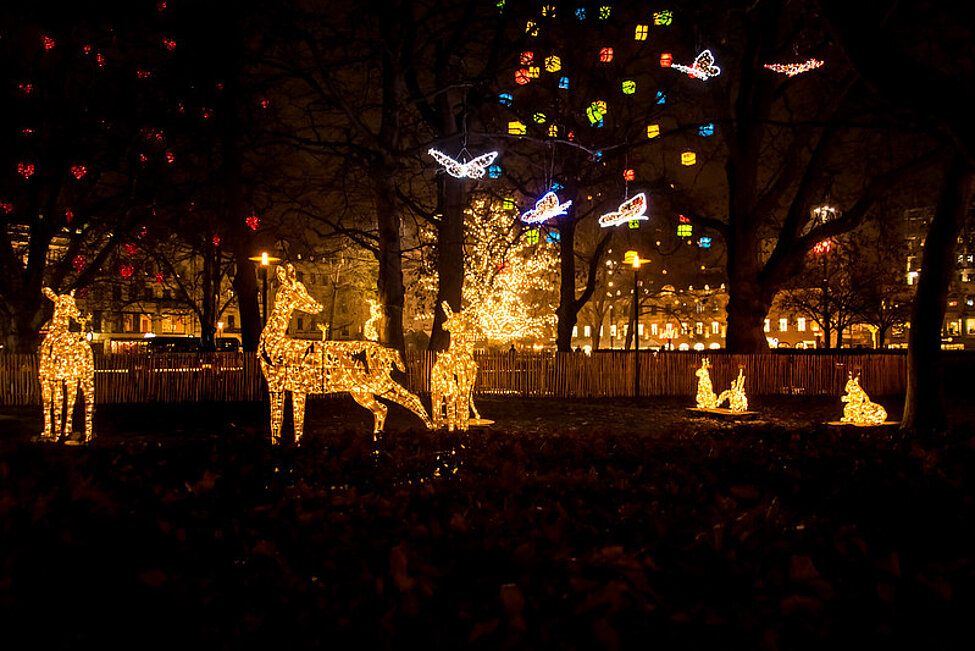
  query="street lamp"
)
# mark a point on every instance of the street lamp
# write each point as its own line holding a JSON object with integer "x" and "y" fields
{"x": 265, "y": 261}
{"x": 632, "y": 258}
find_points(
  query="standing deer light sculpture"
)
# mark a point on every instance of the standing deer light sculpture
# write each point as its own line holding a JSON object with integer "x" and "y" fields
{"x": 362, "y": 368}
{"x": 66, "y": 366}
{"x": 453, "y": 374}
{"x": 705, "y": 390}
{"x": 859, "y": 410}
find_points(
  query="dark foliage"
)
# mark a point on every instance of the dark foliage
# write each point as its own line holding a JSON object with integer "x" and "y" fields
{"x": 673, "y": 533}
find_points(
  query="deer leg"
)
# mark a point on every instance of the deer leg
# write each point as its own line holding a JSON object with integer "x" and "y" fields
{"x": 47, "y": 398}
{"x": 403, "y": 397}
{"x": 436, "y": 409}
{"x": 298, "y": 414}
{"x": 378, "y": 409}
{"x": 58, "y": 405}
{"x": 470, "y": 398}
{"x": 71, "y": 388}
{"x": 88, "y": 388}
{"x": 277, "y": 415}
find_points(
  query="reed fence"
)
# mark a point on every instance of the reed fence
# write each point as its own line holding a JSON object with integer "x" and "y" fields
{"x": 230, "y": 377}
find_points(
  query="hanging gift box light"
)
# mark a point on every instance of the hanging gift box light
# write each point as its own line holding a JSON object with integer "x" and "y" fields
{"x": 632, "y": 224}
{"x": 553, "y": 131}
{"x": 527, "y": 57}
{"x": 605, "y": 12}
{"x": 661, "y": 97}
{"x": 563, "y": 83}
{"x": 641, "y": 32}
{"x": 532, "y": 236}
{"x": 688, "y": 158}
{"x": 629, "y": 174}
{"x": 553, "y": 63}
{"x": 534, "y": 72}
{"x": 508, "y": 203}
{"x": 517, "y": 128}
{"x": 629, "y": 87}
{"x": 666, "y": 59}
{"x": 505, "y": 98}
{"x": 548, "y": 11}
{"x": 653, "y": 130}
{"x": 531, "y": 28}
{"x": 706, "y": 129}
{"x": 522, "y": 76}
{"x": 494, "y": 171}
{"x": 704, "y": 242}
{"x": 596, "y": 112}
{"x": 581, "y": 13}
{"x": 684, "y": 227}
{"x": 539, "y": 118}
{"x": 663, "y": 18}
{"x": 606, "y": 55}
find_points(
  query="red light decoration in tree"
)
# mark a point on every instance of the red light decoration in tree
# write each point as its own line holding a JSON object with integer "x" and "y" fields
{"x": 216, "y": 240}
{"x": 126, "y": 270}
{"x": 78, "y": 262}
{"x": 160, "y": 7}
{"x": 47, "y": 42}
{"x": 169, "y": 44}
{"x": 206, "y": 113}
{"x": 170, "y": 157}
{"x": 143, "y": 158}
{"x": 823, "y": 247}
{"x": 78, "y": 171}
{"x": 143, "y": 231}
{"x": 160, "y": 277}
{"x": 265, "y": 103}
{"x": 522, "y": 76}
{"x": 26, "y": 88}
{"x": 527, "y": 57}
{"x": 27, "y": 131}
{"x": 100, "y": 60}
{"x": 131, "y": 248}
{"x": 253, "y": 222}
{"x": 143, "y": 74}
{"x": 86, "y": 49}
{"x": 68, "y": 215}
{"x": 26, "y": 170}
{"x": 6, "y": 208}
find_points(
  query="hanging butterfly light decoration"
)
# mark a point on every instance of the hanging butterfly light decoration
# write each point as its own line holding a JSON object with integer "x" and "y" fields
{"x": 703, "y": 67}
{"x": 473, "y": 169}
{"x": 793, "y": 69}
{"x": 630, "y": 210}
{"x": 545, "y": 208}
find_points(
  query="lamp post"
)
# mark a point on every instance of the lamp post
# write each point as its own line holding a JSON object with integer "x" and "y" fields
{"x": 264, "y": 260}
{"x": 633, "y": 259}
{"x": 611, "y": 326}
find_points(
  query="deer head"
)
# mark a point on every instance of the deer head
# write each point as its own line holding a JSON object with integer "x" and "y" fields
{"x": 292, "y": 294}
{"x": 64, "y": 307}
{"x": 462, "y": 328}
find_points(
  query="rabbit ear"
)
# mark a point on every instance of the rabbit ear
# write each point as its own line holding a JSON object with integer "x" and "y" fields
{"x": 71, "y": 293}
{"x": 47, "y": 291}
{"x": 282, "y": 274}
{"x": 446, "y": 309}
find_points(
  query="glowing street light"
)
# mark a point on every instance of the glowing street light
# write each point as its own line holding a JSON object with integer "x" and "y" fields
{"x": 265, "y": 260}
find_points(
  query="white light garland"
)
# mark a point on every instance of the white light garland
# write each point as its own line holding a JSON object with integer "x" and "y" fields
{"x": 634, "y": 209}
{"x": 545, "y": 208}
{"x": 473, "y": 169}
{"x": 703, "y": 67}
{"x": 793, "y": 69}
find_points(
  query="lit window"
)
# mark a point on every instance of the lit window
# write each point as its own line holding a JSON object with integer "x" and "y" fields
{"x": 587, "y": 331}
{"x": 970, "y": 326}
{"x": 801, "y": 324}
{"x": 783, "y": 325}
{"x": 575, "y": 331}
{"x": 653, "y": 329}
{"x": 814, "y": 326}
{"x": 715, "y": 328}
{"x": 699, "y": 328}
{"x": 612, "y": 330}
{"x": 641, "y": 330}
{"x": 768, "y": 328}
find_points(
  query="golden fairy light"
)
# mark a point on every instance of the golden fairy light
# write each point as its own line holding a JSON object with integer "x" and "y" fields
{"x": 362, "y": 368}
{"x": 66, "y": 366}
{"x": 369, "y": 330}
{"x": 453, "y": 374}
{"x": 737, "y": 400}
{"x": 859, "y": 410}
{"x": 705, "y": 391}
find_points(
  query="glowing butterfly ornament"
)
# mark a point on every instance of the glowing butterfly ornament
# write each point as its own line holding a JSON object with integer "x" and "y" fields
{"x": 473, "y": 169}
{"x": 633, "y": 209}
{"x": 703, "y": 67}
{"x": 793, "y": 69}
{"x": 737, "y": 400}
{"x": 65, "y": 366}
{"x": 706, "y": 399}
{"x": 453, "y": 374}
{"x": 545, "y": 208}
{"x": 859, "y": 410}
{"x": 361, "y": 368}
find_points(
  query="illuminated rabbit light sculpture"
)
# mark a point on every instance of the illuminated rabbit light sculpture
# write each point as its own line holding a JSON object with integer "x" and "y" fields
{"x": 737, "y": 400}
{"x": 859, "y": 410}
{"x": 453, "y": 374}
{"x": 361, "y": 368}
{"x": 705, "y": 391}
{"x": 66, "y": 366}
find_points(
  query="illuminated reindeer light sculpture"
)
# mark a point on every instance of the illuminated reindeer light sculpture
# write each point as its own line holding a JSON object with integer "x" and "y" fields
{"x": 66, "y": 366}
{"x": 859, "y": 410}
{"x": 453, "y": 374}
{"x": 362, "y": 368}
{"x": 737, "y": 400}
{"x": 705, "y": 390}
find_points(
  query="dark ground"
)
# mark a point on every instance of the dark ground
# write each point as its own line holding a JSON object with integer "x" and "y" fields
{"x": 568, "y": 524}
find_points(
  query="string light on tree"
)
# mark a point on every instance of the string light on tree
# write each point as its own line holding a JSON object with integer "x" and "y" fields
{"x": 473, "y": 169}
{"x": 793, "y": 69}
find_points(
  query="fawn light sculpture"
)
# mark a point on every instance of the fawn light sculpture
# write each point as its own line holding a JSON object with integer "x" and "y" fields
{"x": 362, "y": 368}
{"x": 453, "y": 374}
{"x": 859, "y": 410}
{"x": 737, "y": 400}
{"x": 66, "y": 366}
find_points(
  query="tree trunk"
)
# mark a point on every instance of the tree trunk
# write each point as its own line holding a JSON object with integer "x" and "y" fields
{"x": 747, "y": 309}
{"x": 923, "y": 408}
{"x": 23, "y": 324}
{"x": 390, "y": 283}
{"x": 594, "y": 340}
{"x": 566, "y": 312}
{"x": 450, "y": 256}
